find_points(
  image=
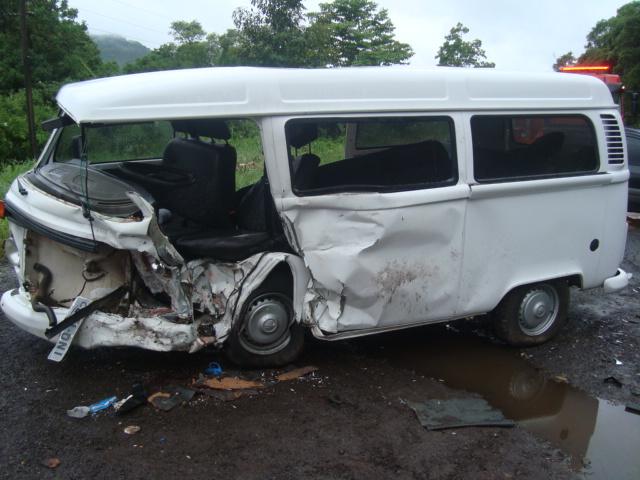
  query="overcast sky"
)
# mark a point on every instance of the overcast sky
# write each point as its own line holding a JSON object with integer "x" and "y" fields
{"x": 516, "y": 35}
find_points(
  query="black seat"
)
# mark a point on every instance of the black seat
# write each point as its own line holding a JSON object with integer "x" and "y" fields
{"x": 209, "y": 201}
{"x": 259, "y": 230}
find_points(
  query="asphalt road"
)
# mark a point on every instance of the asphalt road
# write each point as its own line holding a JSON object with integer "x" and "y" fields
{"x": 349, "y": 419}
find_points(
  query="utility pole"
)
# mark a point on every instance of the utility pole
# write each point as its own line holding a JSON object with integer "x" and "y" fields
{"x": 24, "y": 43}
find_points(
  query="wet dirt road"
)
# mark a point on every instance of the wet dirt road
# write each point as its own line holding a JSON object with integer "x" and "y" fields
{"x": 350, "y": 418}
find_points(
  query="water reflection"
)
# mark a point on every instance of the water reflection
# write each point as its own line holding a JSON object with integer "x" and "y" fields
{"x": 602, "y": 435}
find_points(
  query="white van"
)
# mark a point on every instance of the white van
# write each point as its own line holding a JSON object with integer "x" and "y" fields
{"x": 240, "y": 206}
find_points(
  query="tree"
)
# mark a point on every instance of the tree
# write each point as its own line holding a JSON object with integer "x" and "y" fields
{"x": 616, "y": 42}
{"x": 192, "y": 48}
{"x": 456, "y": 52}
{"x": 564, "y": 60}
{"x": 355, "y": 32}
{"x": 271, "y": 33}
{"x": 187, "y": 32}
{"x": 60, "y": 49}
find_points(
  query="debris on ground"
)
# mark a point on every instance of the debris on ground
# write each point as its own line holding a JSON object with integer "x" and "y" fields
{"x": 52, "y": 462}
{"x": 458, "y": 413}
{"x": 136, "y": 398}
{"x": 78, "y": 412}
{"x": 170, "y": 397}
{"x": 228, "y": 395}
{"x": 131, "y": 429}
{"x": 611, "y": 380}
{"x": 296, "y": 373}
{"x": 102, "y": 404}
{"x": 561, "y": 379}
{"x": 230, "y": 383}
{"x": 237, "y": 383}
{"x": 214, "y": 369}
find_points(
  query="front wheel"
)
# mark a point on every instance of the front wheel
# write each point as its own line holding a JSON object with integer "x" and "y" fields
{"x": 267, "y": 334}
{"x": 532, "y": 314}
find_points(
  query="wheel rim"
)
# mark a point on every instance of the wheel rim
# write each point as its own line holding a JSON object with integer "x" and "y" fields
{"x": 266, "y": 326}
{"x": 539, "y": 310}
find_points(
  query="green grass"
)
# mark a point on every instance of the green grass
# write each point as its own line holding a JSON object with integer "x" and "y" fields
{"x": 8, "y": 173}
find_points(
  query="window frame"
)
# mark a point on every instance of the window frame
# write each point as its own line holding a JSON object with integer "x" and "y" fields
{"x": 524, "y": 178}
{"x": 375, "y": 189}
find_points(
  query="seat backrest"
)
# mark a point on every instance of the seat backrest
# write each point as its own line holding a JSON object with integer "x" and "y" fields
{"x": 304, "y": 170}
{"x": 257, "y": 210}
{"x": 210, "y": 199}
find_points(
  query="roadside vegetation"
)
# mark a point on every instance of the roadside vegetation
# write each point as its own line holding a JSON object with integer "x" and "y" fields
{"x": 273, "y": 33}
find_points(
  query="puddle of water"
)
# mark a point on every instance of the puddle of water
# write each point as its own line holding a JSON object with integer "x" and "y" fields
{"x": 602, "y": 435}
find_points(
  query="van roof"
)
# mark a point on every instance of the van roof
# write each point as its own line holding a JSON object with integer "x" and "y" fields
{"x": 248, "y": 91}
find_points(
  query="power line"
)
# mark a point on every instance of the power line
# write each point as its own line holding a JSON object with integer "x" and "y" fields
{"x": 144, "y": 10}
{"x": 123, "y": 21}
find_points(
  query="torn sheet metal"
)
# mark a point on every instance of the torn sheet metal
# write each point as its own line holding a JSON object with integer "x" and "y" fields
{"x": 221, "y": 289}
{"x": 386, "y": 265}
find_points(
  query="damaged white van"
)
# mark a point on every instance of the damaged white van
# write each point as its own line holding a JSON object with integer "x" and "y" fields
{"x": 238, "y": 207}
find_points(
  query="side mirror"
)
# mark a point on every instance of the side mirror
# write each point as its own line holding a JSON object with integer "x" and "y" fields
{"x": 76, "y": 147}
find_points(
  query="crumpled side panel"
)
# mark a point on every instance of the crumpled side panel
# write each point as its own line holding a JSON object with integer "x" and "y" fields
{"x": 376, "y": 268}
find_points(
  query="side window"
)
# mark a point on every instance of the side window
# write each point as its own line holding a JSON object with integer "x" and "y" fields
{"x": 536, "y": 146}
{"x": 371, "y": 154}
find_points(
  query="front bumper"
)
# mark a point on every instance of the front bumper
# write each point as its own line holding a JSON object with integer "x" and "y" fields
{"x": 105, "y": 329}
{"x": 616, "y": 283}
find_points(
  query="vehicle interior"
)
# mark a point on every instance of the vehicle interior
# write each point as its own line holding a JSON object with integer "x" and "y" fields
{"x": 192, "y": 188}
{"x": 401, "y": 164}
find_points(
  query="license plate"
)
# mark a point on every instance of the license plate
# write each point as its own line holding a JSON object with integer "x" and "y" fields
{"x": 66, "y": 336}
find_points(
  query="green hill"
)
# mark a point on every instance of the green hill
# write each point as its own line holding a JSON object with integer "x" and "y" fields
{"x": 118, "y": 49}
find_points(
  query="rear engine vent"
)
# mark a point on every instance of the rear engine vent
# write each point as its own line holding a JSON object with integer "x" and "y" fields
{"x": 615, "y": 147}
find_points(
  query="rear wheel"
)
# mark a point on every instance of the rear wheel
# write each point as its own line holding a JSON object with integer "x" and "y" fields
{"x": 532, "y": 314}
{"x": 267, "y": 334}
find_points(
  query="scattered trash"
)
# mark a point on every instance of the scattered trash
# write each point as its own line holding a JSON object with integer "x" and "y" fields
{"x": 633, "y": 408}
{"x": 457, "y": 413}
{"x": 230, "y": 383}
{"x": 131, "y": 429}
{"x": 229, "y": 395}
{"x": 52, "y": 462}
{"x": 137, "y": 397}
{"x": 296, "y": 373}
{"x": 613, "y": 381}
{"x": 78, "y": 412}
{"x": 214, "y": 369}
{"x": 561, "y": 379}
{"x": 170, "y": 397}
{"x": 102, "y": 404}
{"x": 618, "y": 362}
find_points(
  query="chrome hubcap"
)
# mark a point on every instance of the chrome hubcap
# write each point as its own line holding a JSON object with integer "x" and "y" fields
{"x": 266, "y": 328}
{"x": 538, "y": 310}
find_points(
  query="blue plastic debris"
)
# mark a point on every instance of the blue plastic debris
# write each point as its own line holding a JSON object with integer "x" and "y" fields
{"x": 102, "y": 404}
{"x": 213, "y": 369}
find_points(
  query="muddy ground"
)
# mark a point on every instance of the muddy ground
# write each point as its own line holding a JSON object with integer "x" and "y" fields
{"x": 350, "y": 418}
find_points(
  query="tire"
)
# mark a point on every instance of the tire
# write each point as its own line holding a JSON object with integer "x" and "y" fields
{"x": 532, "y": 314}
{"x": 266, "y": 334}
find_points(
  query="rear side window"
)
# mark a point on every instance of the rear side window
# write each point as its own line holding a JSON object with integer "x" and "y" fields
{"x": 371, "y": 154}
{"x": 529, "y": 147}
